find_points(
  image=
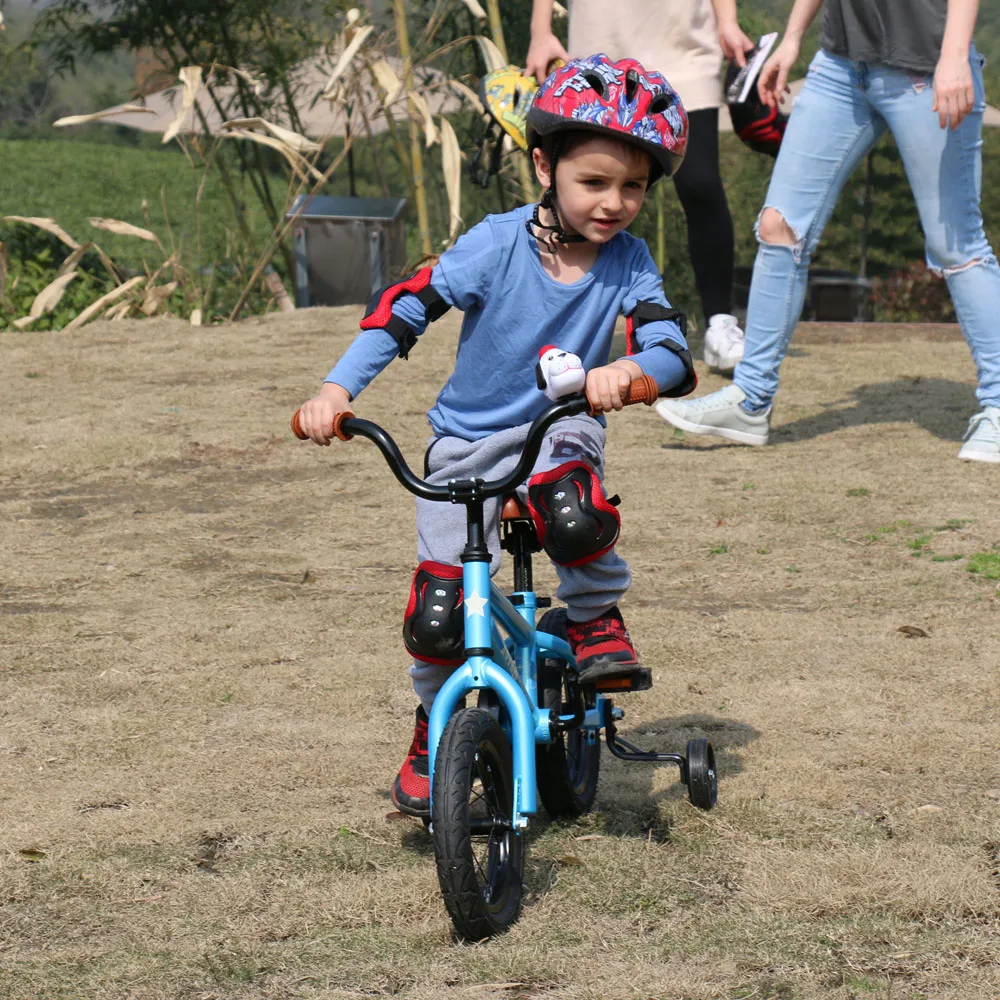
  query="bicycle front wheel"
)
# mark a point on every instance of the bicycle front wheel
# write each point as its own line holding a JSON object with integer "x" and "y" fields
{"x": 480, "y": 856}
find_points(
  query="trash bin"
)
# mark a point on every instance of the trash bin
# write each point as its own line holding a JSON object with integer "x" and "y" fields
{"x": 839, "y": 296}
{"x": 346, "y": 248}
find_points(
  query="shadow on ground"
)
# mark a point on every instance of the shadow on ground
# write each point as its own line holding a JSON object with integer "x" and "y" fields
{"x": 671, "y": 735}
{"x": 937, "y": 405}
{"x": 645, "y": 819}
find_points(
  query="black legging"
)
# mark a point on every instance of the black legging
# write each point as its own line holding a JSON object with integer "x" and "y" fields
{"x": 709, "y": 224}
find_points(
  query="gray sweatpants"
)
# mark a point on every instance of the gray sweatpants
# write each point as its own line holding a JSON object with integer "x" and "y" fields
{"x": 587, "y": 591}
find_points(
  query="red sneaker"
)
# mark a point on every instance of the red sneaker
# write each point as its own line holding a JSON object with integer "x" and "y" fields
{"x": 411, "y": 791}
{"x": 605, "y": 656}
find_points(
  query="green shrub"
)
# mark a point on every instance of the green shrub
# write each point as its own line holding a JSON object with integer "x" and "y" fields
{"x": 912, "y": 295}
{"x": 35, "y": 258}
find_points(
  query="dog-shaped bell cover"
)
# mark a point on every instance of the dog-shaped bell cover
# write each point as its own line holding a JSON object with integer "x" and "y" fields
{"x": 559, "y": 373}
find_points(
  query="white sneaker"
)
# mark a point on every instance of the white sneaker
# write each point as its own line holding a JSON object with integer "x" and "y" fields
{"x": 982, "y": 439}
{"x": 723, "y": 343}
{"x": 718, "y": 413}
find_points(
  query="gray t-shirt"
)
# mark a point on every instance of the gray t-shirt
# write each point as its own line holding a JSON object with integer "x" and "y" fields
{"x": 903, "y": 33}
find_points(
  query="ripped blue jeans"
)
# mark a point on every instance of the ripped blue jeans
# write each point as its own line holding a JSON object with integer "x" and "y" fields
{"x": 844, "y": 108}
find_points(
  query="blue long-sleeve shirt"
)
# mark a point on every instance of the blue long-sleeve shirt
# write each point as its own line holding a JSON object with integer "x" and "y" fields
{"x": 513, "y": 308}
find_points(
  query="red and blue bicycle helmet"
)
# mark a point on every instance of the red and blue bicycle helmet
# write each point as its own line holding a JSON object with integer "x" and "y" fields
{"x": 619, "y": 99}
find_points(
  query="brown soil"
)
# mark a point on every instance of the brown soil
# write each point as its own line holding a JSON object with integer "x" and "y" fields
{"x": 204, "y": 699}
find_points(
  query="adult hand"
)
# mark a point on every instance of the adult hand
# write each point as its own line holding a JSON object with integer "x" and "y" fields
{"x": 544, "y": 48}
{"x": 772, "y": 84}
{"x": 953, "y": 90}
{"x": 735, "y": 44}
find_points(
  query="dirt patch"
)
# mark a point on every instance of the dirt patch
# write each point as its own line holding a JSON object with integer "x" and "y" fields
{"x": 204, "y": 700}
{"x": 876, "y": 333}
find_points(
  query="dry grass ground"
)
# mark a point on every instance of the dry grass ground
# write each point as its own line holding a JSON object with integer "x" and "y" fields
{"x": 204, "y": 702}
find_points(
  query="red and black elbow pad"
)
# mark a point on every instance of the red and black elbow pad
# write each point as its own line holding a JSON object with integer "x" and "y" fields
{"x": 653, "y": 312}
{"x": 379, "y": 314}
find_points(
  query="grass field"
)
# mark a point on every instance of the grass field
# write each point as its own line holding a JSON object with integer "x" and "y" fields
{"x": 204, "y": 699}
{"x": 72, "y": 181}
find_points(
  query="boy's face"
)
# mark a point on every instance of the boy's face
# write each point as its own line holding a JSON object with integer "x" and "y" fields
{"x": 600, "y": 185}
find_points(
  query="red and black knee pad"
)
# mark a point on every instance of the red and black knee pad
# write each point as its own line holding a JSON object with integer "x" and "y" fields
{"x": 434, "y": 624}
{"x": 574, "y": 519}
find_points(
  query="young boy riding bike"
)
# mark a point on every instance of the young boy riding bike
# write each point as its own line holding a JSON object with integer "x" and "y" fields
{"x": 561, "y": 271}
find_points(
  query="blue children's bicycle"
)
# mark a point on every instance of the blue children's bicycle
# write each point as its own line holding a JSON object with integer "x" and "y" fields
{"x": 534, "y": 725}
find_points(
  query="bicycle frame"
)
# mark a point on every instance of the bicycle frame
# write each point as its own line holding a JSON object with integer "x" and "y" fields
{"x": 487, "y": 610}
{"x": 508, "y": 665}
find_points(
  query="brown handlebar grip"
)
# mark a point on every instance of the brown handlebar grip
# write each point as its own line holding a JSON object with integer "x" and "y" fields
{"x": 337, "y": 430}
{"x": 642, "y": 390}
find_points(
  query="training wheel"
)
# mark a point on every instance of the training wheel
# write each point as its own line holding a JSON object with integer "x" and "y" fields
{"x": 703, "y": 787}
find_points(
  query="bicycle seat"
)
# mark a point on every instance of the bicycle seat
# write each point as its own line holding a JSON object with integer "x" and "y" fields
{"x": 513, "y": 509}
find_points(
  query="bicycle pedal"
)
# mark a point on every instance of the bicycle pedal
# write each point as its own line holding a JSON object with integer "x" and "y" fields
{"x": 641, "y": 679}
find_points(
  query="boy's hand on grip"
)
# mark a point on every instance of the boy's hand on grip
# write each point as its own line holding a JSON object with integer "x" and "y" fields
{"x": 316, "y": 416}
{"x": 607, "y": 386}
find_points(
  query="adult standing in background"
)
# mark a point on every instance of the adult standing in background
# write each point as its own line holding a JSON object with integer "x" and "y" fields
{"x": 685, "y": 40}
{"x": 907, "y": 66}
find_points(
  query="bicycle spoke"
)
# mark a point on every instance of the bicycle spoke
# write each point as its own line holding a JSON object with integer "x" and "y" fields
{"x": 490, "y": 793}
{"x": 483, "y": 877}
{"x": 476, "y": 795}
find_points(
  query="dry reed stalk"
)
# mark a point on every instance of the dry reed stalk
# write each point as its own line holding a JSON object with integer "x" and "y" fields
{"x": 48, "y": 225}
{"x": 46, "y": 300}
{"x": 156, "y": 295}
{"x": 278, "y": 290}
{"x": 69, "y": 264}
{"x": 190, "y": 77}
{"x": 451, "y": 160}
{"x": 95, "y": 307}
{"x": 351, "y": 50}
{"x": 416, "y": 158}
{"x": 661, "y": 239}
{"x": 127, "y": 229}
{"x": 475, "y": 9}
{"x": 96, "y": 116}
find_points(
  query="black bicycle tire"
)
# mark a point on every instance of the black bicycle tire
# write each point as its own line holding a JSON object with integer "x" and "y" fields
{"x": 568, "y": 769}
{"x": 471, "y": 742}
{"x": 702, "y": 780}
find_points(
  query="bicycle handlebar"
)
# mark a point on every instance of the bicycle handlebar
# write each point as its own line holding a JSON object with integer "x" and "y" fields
{"x": 641, "y": 390}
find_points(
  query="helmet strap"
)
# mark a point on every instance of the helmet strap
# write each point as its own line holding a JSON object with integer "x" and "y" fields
{"x": 550, "y": 236}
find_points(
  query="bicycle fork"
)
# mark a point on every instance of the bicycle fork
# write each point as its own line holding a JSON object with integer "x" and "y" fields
{"x": 483, "y": 599}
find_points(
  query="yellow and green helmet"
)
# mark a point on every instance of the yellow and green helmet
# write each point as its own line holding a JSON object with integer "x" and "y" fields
{"x": 506, "y": 95}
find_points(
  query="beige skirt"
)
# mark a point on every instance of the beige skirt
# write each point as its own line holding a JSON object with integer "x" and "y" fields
{"x": 677, "y": 38}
